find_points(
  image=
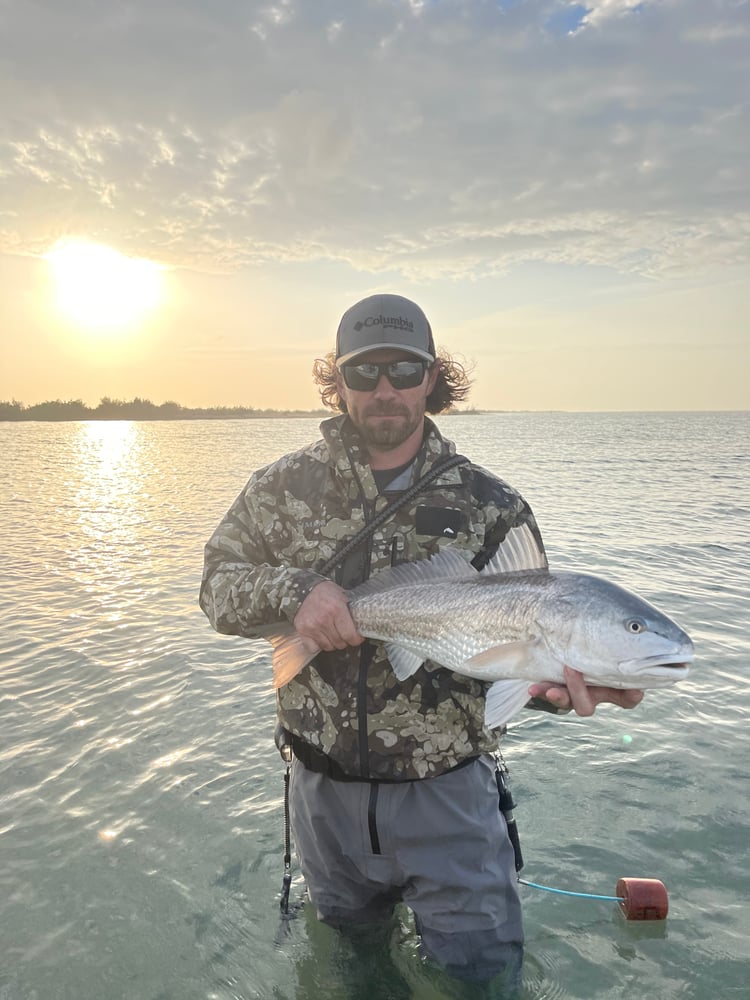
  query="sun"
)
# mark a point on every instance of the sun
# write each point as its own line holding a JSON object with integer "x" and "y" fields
{"x": 100, "y": 288}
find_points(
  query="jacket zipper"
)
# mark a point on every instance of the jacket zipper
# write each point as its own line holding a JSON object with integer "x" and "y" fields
{"x": 372, "y": 823}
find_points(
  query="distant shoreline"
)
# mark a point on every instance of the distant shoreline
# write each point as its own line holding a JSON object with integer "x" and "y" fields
{"x": 143, "y": 409}
{"x": 57, "y": 411}
{"x": 137, "y": 409}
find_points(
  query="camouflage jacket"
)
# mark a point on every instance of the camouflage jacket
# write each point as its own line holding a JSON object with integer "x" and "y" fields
{"x": 264, "y": 559}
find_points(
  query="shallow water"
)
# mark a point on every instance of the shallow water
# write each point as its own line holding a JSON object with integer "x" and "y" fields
{"x": 141, "y": 827}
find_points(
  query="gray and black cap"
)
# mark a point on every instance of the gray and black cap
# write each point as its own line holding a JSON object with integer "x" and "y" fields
{"x": 384, "y": 321}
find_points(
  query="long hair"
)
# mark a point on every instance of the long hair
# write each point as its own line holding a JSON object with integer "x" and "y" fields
{"x": 452, "y": 386}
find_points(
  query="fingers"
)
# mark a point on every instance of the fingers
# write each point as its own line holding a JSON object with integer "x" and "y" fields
{"x": 324, "y": 618}
{"x": 584, "y": 698}
{"x": 625, "y": 699}
{"x": 552, "y": 693}
{"x": 581, "y": 697}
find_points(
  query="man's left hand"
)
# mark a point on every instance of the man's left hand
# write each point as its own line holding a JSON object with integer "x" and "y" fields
{"x": 581, "y": 697}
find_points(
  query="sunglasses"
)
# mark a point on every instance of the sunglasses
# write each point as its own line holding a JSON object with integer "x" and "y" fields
{"x": 401, "y": 374}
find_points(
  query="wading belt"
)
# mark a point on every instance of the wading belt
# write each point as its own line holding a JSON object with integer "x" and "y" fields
{"x": 315, "y": 760}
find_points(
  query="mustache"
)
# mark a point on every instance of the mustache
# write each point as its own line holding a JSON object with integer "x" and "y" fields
{"x": 386, "y": 411}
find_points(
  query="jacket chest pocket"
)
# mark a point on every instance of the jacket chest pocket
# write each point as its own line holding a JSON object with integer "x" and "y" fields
{"x": 440, "y": 522}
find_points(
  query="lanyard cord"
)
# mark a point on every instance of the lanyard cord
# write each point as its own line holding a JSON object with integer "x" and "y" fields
{"x": 507, "y": 805}
{"x": 286, "y": 882}
{"x": 356, "y": 540}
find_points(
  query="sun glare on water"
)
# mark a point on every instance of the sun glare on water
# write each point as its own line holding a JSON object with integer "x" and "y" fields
{"x": 98, "y": 287}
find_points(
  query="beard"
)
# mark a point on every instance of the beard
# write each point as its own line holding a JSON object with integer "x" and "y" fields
{"x": 388, "y": 434}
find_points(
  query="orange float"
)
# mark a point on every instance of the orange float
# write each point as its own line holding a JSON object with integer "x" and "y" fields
{"x": 642, "y": 898}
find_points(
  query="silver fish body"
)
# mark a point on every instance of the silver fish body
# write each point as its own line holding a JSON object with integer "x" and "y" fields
{"x": 513, "y": 627}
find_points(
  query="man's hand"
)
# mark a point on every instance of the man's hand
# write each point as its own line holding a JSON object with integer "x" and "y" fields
{"x": 324, "y": 617}
{"x": 582, "y": 698}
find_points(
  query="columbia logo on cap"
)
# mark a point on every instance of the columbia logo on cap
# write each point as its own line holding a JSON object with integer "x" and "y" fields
{"x": 384, "y": 321}
{"x": 397, "y": 322}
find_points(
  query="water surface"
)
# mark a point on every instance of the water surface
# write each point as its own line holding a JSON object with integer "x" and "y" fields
{"x": 141, "y": 828}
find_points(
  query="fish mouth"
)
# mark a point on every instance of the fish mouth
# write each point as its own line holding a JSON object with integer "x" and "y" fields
{"x": 660, "y": 666}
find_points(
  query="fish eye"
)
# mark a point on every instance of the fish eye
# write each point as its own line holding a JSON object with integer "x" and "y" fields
{"x": 635, "y": 625}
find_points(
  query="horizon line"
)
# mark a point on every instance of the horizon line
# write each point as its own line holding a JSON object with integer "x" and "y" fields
{"x": 114, "y": 409}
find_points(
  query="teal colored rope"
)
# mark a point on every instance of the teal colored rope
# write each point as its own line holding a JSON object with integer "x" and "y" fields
{"x": 566, "y": 892}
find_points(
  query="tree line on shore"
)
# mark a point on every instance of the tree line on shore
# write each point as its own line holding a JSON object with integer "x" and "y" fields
{"x": 136, "y": 409}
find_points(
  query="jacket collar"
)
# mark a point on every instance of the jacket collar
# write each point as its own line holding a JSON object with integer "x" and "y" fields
{"x": 349, "y": 453}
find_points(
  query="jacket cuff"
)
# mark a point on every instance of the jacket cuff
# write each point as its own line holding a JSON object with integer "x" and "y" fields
{"x": 542, "y": 705}
{"x": 297, "y": 589}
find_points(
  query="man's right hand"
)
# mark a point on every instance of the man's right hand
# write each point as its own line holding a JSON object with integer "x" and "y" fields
{"x": 324, "y": 617}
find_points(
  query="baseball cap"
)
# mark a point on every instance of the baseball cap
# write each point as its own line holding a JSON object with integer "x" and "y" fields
{"x": 384, "y": 321}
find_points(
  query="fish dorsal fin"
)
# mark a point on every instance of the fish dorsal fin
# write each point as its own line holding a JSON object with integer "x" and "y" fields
{"x": 447, "y": 564}
{"x": 519, "y": 552}
{"x": 403, "y": 661}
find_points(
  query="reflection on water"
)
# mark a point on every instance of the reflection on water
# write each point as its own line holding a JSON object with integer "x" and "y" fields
{"x": 107, "y": 499}
{"x": 141, "y": 827}
{"x": 108, "y": 471}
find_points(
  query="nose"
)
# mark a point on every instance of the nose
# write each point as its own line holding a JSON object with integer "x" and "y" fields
{"x": 384, "y": 389}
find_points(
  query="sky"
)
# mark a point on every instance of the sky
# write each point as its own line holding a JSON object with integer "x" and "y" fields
{"x": 192, "y": 193}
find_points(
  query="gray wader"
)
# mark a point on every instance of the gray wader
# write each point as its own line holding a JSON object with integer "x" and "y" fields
{"x": 440, "y": 845}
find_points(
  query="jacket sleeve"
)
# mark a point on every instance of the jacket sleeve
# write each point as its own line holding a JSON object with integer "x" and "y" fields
{"x": 247, "y": 582}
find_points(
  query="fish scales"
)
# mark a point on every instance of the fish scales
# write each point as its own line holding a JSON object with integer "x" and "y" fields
{"x": 450, "y": 623}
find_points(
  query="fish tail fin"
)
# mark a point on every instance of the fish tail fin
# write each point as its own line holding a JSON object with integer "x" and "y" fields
{"x": 290, "y": 654}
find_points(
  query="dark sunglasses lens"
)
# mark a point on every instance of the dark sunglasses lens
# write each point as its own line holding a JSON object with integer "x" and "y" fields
{"x": 363, "y": 378}
{"x": 405, "y": 374}
{"x": 401, "y": 374}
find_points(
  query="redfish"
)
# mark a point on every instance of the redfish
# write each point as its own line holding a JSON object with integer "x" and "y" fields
{"x": 512, "y": 624}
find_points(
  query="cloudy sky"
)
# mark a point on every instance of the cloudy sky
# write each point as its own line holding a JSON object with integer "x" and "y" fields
{"x": 563, "y": 187}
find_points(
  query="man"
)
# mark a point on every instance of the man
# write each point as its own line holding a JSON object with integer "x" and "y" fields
{"x": 393, "y": 793}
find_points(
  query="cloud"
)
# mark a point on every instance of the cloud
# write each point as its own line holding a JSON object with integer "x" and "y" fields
{"x": 600, "y": 11}
{"x": 436, "y": 139}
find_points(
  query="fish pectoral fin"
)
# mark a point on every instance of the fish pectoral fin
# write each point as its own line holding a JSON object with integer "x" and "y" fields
{"x": 403, "y": 661}
{"x": 504, "y": 699}
{"x": 290, "y": 654}
{"x": 507, "y": 658}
